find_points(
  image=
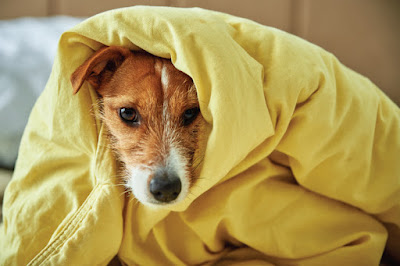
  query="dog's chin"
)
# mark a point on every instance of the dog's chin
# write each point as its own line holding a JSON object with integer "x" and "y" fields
{"x": 138, "y": 183}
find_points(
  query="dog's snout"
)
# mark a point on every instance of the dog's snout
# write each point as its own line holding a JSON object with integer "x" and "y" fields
{"x": 165, "y": 187}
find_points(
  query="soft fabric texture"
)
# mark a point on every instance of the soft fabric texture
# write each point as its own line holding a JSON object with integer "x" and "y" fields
{"x": 301, "y": 165}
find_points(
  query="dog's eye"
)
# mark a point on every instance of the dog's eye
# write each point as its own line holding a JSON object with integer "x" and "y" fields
{"x": 129, "y": 115}
{"x": 190, "y": 115}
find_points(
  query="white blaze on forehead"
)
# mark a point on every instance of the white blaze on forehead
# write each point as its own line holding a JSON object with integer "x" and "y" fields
{"x": 164, "y": 85}
{"x": 164, "y": 77}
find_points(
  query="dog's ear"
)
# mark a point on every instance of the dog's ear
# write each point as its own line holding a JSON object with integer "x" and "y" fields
{"x": 99, "y": 67}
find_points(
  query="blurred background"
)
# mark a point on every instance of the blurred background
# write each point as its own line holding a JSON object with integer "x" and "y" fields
{"x": 363, "y": 34}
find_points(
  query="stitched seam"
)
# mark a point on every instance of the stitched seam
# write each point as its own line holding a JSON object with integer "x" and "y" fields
{"x": 71, "y": 227}
{"x": 68, "y": 231}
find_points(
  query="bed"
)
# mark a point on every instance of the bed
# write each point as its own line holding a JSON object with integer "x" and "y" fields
{"x": 25, "y": 66}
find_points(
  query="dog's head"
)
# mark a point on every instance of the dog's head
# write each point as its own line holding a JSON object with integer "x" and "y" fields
{"x": 152, "y": 114}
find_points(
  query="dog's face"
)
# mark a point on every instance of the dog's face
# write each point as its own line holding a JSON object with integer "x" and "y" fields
{"x": 152, "y": 113}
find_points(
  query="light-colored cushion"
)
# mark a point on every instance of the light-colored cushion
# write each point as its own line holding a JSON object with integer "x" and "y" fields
{"x": 27, "y": 50}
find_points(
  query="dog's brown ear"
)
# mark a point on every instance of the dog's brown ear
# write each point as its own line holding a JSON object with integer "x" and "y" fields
{"x": 94, "y": 69}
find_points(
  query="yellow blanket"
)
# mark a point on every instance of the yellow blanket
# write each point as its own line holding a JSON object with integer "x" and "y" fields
{"x": 302, "y": 165}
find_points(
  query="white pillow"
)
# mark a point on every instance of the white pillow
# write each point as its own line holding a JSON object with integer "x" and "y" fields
{"x": 27, "y": 50}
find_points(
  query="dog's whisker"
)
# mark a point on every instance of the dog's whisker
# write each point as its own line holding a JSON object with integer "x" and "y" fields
{"x": 119, "y": 185}
{"x": 124, "y": 193}
{"x": 202, "y": 178}
{"x": 197, "y": 165}
{"x": 189, "y": 198}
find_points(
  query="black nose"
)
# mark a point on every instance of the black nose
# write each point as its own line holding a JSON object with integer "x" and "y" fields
{"x": 165, "y": 187}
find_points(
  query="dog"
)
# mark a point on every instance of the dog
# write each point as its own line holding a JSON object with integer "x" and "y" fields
{"x": 151, "y": 111}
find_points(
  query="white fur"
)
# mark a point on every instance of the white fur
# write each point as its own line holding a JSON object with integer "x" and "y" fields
{"x": 165, "y": 84}
{"x": 138, "y": 182}
{"x": 164, "y": 77}
{"x": 139, "y": 179}
{"x": 177, "y": 163}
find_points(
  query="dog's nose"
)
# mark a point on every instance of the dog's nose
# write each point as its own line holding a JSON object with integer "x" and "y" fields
{"x": 165, "y": 187}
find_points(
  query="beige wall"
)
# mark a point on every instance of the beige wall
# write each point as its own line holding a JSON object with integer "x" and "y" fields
{"x": 364, "y": 34}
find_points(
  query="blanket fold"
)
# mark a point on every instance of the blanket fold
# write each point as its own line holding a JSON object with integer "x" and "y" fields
{"x": 301, "y": 163}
